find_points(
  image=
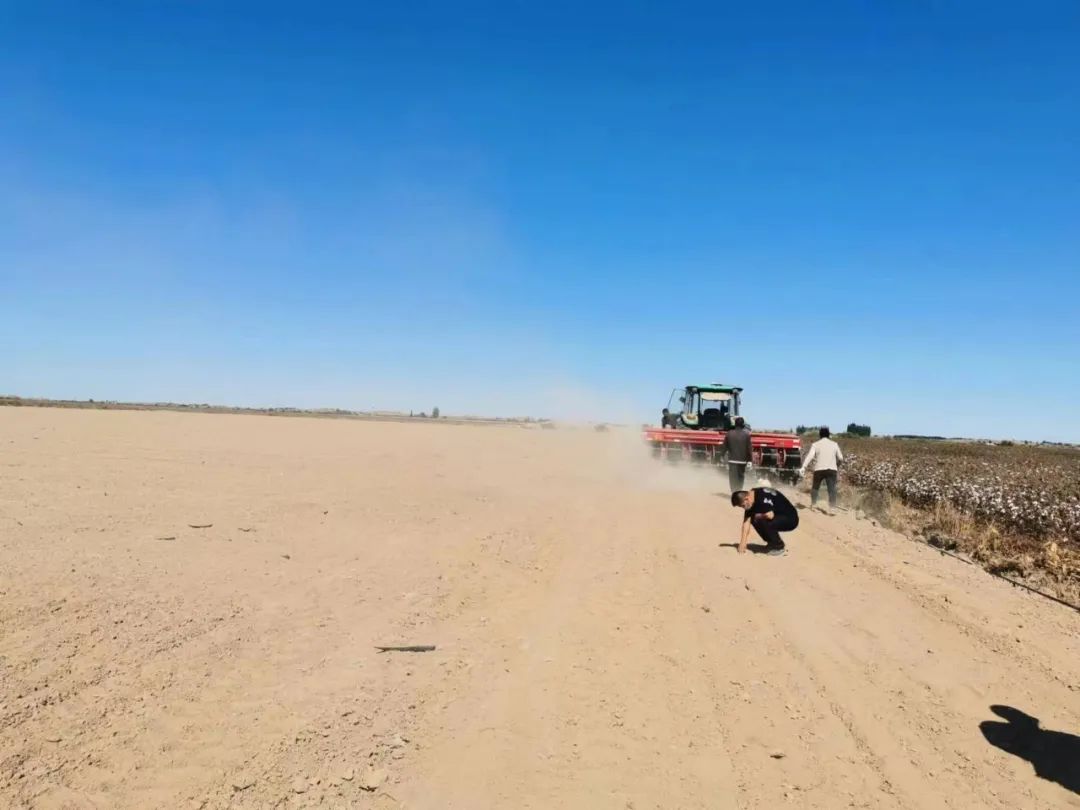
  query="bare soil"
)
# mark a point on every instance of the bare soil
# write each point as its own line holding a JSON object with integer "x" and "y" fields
{"x": 598, "y": 643}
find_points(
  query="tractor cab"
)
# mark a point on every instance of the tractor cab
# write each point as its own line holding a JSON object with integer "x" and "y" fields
{"x": 705, "y": 407}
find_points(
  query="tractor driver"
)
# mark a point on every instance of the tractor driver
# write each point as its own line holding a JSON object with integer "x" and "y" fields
{"x": 725, "y": 416}
{"x": 668, "y": 419}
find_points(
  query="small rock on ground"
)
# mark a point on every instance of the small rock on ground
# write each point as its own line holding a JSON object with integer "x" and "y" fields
{"x": 373, "y": 779}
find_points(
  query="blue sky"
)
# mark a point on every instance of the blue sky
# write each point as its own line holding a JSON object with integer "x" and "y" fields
{"x": 858, "y": 211}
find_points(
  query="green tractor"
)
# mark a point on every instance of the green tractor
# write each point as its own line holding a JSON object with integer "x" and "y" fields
{"x": 696, "y": 421}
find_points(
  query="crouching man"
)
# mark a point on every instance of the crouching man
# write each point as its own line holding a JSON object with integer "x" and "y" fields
{"x": 770, "y": 513}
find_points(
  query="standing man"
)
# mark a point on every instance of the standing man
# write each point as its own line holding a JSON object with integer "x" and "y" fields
{"x": 668, "y": 419}
{"x": 826, "y": 456}
{"x": 770, "y": 513}
{"x": 739, "y": 453}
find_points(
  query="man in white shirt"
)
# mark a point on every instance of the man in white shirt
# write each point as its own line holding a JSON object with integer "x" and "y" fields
{"x": 826, "y": 456}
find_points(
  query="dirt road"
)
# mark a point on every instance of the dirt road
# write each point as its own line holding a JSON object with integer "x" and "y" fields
{"x": 598, "y": 645}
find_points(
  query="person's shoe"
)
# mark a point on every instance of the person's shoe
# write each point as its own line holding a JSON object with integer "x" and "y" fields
{"x": 832, "y": 511}
{"x": 776, "y": 552}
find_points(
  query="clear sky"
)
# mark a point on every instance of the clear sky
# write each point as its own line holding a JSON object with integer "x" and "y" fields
{"x": 859, "y": 211}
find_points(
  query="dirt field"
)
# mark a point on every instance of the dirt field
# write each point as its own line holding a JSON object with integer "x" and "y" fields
{"x": 598, "y": 645}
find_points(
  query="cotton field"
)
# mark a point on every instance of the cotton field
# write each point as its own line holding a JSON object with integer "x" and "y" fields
{"x": 1032, "y": 490}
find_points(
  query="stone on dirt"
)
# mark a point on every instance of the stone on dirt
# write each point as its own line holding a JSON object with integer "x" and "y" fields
{"x": 373, "y": 779}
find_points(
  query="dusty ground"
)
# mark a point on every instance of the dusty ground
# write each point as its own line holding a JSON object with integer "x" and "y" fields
{"x": 597, "y": 646}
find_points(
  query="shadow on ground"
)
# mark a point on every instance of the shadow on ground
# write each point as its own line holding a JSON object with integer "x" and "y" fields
{"x": 1055, "y": 755}
{"x": 755, "y": 549}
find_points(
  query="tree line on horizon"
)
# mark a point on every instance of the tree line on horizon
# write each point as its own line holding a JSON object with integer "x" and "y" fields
{"x": 853, "y": 429}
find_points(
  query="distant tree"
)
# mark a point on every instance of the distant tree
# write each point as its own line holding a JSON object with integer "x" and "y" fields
{"x": 434, "y": 413}
{"x": 858, "y": 430}
{"x": 423, "y": 415}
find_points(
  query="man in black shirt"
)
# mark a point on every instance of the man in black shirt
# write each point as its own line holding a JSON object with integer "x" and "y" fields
{"x": 770, "y": 513}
